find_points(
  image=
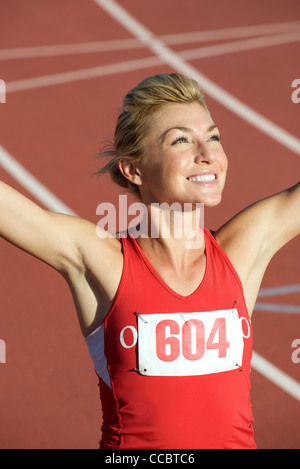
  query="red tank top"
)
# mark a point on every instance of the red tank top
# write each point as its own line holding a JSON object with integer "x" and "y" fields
{"x": 174, "y": 370}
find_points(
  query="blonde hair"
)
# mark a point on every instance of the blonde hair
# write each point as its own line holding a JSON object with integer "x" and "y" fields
{"x": 139, "y": 105}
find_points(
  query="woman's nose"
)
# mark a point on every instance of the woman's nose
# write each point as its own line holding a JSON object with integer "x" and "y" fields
{"x": 204, "y": 154}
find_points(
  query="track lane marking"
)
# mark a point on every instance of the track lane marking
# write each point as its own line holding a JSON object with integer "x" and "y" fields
{"x": 31, "y": 184}
{"x": 277, "y": 308}
{"x": 276, "y": 376}
{"x": 83, "y": 74}
{"x": 131, "y": 43}
{"x": 230, "y": 33}
{"x": 274, "y": 291}
{"x": 240, "y": 46}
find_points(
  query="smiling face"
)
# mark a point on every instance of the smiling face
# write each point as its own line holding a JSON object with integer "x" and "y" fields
{"x": 184, "y": 160}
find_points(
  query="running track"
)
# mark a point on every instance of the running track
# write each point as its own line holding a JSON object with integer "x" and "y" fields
{"x": 66, "y": 65}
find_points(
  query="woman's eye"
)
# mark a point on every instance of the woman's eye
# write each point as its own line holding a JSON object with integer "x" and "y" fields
{"x": 180, "y": 140}
{"x": 215, "y": 138}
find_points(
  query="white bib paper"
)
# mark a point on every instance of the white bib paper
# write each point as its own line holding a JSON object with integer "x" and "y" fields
{"x": 186, "y": 344}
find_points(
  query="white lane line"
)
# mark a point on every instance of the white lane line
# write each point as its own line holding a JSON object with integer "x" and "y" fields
{"x": 212, "y": 89}
{"x": 230, "y": 33}
{"x": 130, "y": 65}
{"x": 276, "y": 376}
{"x": 266, "y": 368}
{"x": 84, "y": 74}
{"x": 277, "y": 308}
{"x": 131, "y": 43}
{"x": 274, "y": 291}
{"x": 239, "y": 46}
{"x": 68, "y": 49}
{"x": 31, "y": 184}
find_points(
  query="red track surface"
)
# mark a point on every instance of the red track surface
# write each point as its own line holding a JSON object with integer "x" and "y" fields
{"x": 48, "y": 389}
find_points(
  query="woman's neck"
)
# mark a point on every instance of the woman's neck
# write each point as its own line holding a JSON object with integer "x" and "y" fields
{"x": 173, "y": 232}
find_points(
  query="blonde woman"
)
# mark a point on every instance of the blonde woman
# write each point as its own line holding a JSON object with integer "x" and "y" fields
{"x": 167, "y": 324}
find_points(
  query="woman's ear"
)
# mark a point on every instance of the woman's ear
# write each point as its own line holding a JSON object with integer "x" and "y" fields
{"x": 130, "y": 171}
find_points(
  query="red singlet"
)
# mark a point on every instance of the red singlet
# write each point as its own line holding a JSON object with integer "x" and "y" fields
{"x": 174, "y": 370}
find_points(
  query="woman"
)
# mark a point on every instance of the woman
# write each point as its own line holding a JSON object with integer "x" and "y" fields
{"x": 166, "y": 318}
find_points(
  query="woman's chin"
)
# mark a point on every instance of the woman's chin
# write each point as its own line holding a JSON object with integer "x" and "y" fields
{"x": 213, "y": 201}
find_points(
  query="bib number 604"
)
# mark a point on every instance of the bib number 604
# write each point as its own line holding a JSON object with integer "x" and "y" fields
{"x": 191, "y": 339}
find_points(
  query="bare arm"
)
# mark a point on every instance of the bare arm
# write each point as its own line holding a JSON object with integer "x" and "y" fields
{"x": 36, "y": 231}
{"x": 92, "y": 266}
{"x": 253, "y": 236}
{"x": 282, "y": 219}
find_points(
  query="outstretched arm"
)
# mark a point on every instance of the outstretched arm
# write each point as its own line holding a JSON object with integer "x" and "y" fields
{"x": 253, "y": 236}
{"x": 91, "y": 265}
{"x": 280, "y": 219}
{"x": 37, "y": 231}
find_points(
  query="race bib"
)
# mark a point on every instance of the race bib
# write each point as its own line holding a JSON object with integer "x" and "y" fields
{"x": 186, "y": 344}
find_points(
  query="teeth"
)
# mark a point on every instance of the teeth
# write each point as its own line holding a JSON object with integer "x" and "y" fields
{"x": 204, "y": 178}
